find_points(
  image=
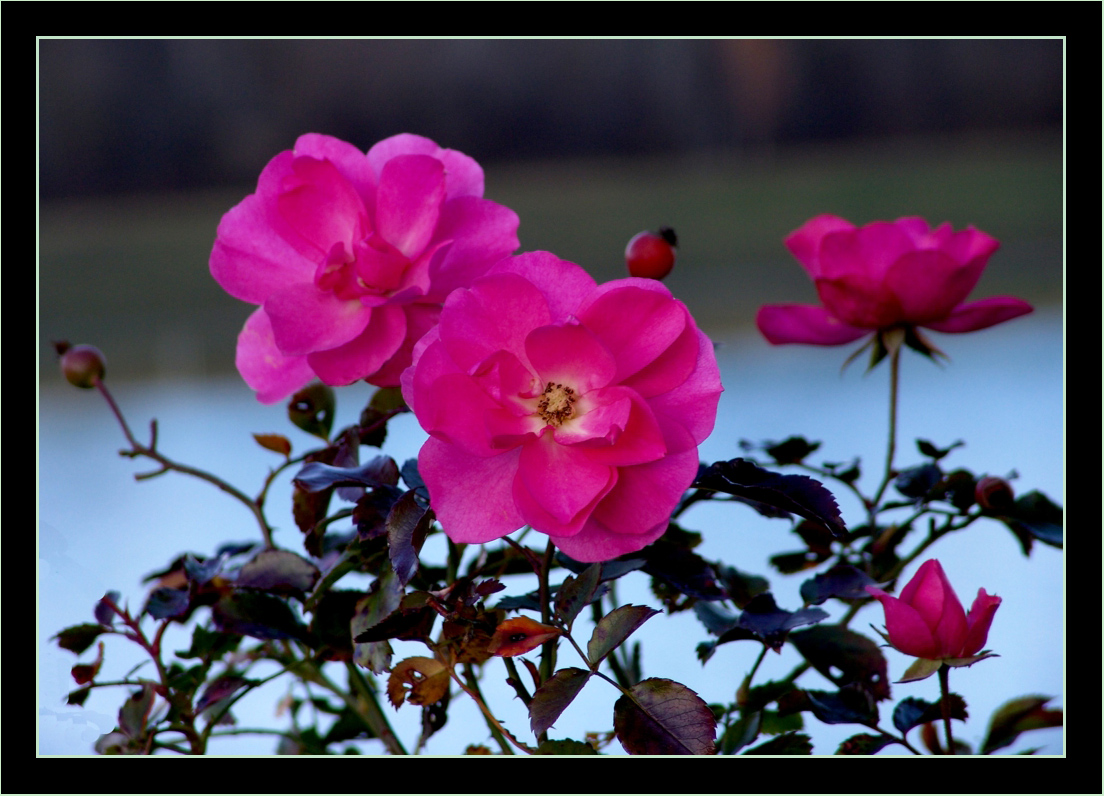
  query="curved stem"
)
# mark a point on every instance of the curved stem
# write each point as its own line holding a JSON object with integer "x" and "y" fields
{"x": 150, "y": 451}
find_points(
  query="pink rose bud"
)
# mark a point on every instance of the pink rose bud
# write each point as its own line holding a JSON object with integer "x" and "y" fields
{"x": 994, "y": 494}
{"x": 927, "y": 620}
{"x": 886, "y": 275}
{"x": 82, "y": 365}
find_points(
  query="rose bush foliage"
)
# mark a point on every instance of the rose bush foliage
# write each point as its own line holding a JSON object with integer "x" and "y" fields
{"x": 886, "y": 275}
{"x": 349, "y": 257}
{"x": 554, "y": 402}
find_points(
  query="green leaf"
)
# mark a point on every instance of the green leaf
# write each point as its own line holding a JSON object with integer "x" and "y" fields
{"x": 312, "y": 409}
{"x": 565, "y": 747}
{"x": 576, "y": 593}
{"x": 615, "y": 627}
{"x": 78, "y": 638}
{"x": 1018, "y": 716}
{"x": 864, "y": 744}
{"x": 663, "y": 717}
{"x": 553, "y": 697}
{"x": 792, "y": 743}
{"x": 135, "y": 712}
{"x": 920, "y": 669}
{"x": 370, "y": 611}
{"x": 209, "y": 644}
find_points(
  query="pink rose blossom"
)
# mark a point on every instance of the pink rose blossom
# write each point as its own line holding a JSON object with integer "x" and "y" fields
{"x": 350, "y": 256}
{"x": 927, "y": 620}
{"x": 883, "y": 276}
{"x": 557, "y": 403}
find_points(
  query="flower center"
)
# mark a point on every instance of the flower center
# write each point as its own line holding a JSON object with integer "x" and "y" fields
{"x": 555, "y": 404}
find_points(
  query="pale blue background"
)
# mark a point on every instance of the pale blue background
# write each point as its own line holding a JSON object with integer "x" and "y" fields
{"x": 1002, "y": 393}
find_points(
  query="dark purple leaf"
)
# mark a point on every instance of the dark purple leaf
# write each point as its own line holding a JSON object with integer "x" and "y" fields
{"x": 664, "y": 718}
{"x": 614, "y": 628}
{"x": 165, "y": 603}
{"x": 797, "y": 494}
{"x": 844, "y": 657}
{"x": 103, "y": 612}
{"x": 553, "y": 697}
{"x": 201, "y": 571}
{"x": 842, "y": 581}
{"x": 771, "y": 624}
{"x": 576, "y": 592}
{"x": 316, "y": 476}
{"x": 256, "y": 614}
{"x": 912, "y": 712}
{"x": 407, "y": 526}
{"x": 918, "y": 482}
{"x": 278, "y": 572}
{"x": 220, "y": 689}
{"x": 936, "y": 453}
{"x": 790, "y": 451}
{"x": 846, "y": 706}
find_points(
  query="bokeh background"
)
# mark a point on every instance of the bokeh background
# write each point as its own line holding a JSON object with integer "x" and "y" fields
{"x": 143, "y": 145}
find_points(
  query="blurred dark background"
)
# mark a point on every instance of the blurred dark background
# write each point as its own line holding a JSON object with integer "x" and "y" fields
{"x": 144, "y": 144}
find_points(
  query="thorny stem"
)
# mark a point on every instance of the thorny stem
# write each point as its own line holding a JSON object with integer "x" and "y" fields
{"x": 150, "y": 451}
{"x": 473, "y": 683}
{"x": 487, "y": 713}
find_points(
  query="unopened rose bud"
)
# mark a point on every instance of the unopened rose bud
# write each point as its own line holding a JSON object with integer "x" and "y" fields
{"x": 82, "y": 365}
{"x": 651, "y": 254}
{"x": 994, "y": 494}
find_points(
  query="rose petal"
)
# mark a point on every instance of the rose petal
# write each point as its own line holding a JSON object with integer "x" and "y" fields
{"x": 981, "y": 315}
{"x": 804, "y": 243}
{"x": 556, "y": 488}
{"x": 471, "y": 496}
{"x": 637, "y": 319}
{"x": 267, "y": 371}
{"x": 978, "y": 622}
{"x": 305, "y": 319}
{"x": 495, "y": 314}
{"x": 408, "y": 200}
{"x": 804, "y": 323}
{"x": 365, "y": 354}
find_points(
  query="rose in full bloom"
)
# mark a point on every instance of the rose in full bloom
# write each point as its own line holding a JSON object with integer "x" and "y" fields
{"x": 553, "y": 402}
{"x": 927, "y": 620}
{"x": 350, "y": 256}
{"x": 886, "y": 275}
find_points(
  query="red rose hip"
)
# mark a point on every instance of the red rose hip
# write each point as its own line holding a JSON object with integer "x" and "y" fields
{"x": 651, "y": 254}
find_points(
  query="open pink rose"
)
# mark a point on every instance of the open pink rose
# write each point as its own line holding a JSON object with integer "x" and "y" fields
{"x": 350, "y": 257}
{"x": 557, "y": 403}
{"x": 883, "y": 276}
{"x": 927, "y": 620}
